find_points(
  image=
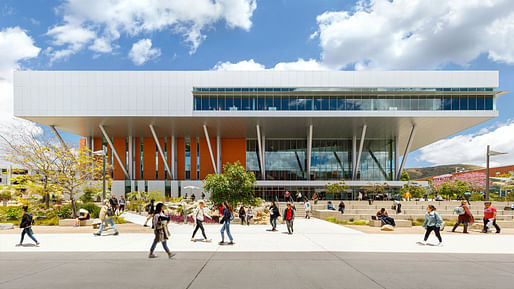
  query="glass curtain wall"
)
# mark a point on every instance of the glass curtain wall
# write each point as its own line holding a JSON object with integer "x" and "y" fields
{"x": 331, "y": 159}
{"x": 377, "y": 160}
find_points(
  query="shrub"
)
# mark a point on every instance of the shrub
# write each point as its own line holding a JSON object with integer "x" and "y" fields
{"x": 14, "y": 213}
{"x": 64, "y": 211}
{"x": 94, "y": 210}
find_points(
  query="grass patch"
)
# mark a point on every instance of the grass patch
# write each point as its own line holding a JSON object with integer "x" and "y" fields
{"x": 357, "y": 222}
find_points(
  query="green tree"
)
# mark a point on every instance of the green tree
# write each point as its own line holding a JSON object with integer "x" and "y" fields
{"x": 335, "y": 188}
{"x": 235, "y": 185}
{"x": 405, "y": 176}
{"x": 415, "y": 189}
{"x": 451, "y": 189}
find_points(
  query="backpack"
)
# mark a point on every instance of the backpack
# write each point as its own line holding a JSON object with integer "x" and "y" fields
{"x": 147, "y": 207}
{"x": 231, "y": 216}
{"x": 459, "y": 211}
{"x": 32, "y": 220}
{"x": 109, "y": 212}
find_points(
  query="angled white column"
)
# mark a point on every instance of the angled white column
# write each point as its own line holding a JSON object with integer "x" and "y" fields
{"x": 354, "y": 153}
{"x": 263, "y": 137}
{"x": 259, "y": 143}
{"x": 361, "y": 145}
{"x": 173, "y": 156}
{"x": 214, "y": 167}
{"x": 59, "y": 137}
{"x": 114, "y": 151}
{"x": 406, "y": 154}
{"x": 156, "y": 139}
{"x": 218, "y": 153}
{"x": 309, "y": 152}
{"x": 396, "y": 156}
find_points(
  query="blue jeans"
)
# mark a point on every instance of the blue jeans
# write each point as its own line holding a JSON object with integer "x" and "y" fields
{"x": 111, "y": 222}
{"x": 273, "y": 222}
{"x": 388, "y": 220}
{"x": 164, "y": 245}
{"x": 29, "y": 233}
{"x": 226, "y": 226}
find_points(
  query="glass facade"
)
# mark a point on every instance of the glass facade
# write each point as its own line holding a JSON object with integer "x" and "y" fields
{"x": 331, "y": 159}
{"x": 339, "y": 99}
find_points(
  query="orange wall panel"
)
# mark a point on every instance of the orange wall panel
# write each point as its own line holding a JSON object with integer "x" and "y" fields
{"x": 119, "y": 146}
{"x": 205, "y": 158}
{"x": 233, "y": 150}
{"x": 97, "y": 144}
{"x": 181, "y": 157}
{"x": 148, "y": 159}
{"x": 83, "y": 144}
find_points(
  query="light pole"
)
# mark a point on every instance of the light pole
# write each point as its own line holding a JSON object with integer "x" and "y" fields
{"x": 102, "y": 153}
{"x": 489, "y": 153}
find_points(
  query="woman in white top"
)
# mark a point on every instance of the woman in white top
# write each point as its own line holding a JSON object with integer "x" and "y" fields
{"x": 249, "y": 215}
{"x": 199, "y": 215}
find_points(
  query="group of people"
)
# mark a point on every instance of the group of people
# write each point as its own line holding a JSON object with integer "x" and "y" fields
{"x": 288, "y": 216}
{"x": 245, "y": 215}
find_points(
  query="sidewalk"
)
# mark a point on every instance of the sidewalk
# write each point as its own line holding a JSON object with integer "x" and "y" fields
{"x": 311, "y": 235}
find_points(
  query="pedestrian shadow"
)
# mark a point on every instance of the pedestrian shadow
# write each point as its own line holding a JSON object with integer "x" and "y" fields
{"x": 27, "y": 245}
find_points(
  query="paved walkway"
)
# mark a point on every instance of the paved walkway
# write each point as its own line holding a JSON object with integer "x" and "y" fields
{"x": 311, "y": 235}
{"x": 303, "y": 270}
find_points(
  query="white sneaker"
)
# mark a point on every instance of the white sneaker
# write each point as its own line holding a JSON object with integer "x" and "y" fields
{"x": 440, "y": 244}
{"x": 423, "y": 243}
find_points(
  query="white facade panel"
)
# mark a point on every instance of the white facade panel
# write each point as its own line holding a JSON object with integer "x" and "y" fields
{"x": 169, "y": 93}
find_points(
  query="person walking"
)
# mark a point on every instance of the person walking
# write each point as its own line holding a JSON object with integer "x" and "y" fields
{"x": 242, "y": 215}
{"x": 433, "y": 222}
{"x": 490, "y": 218}
{"x": 249, "y": 215}
{"x": 307, "y": 207}
{"x": 106, "y": 214}
{"x": 160, "y": 224}
{"x": 288, "y": 217}
{"x": 122, "y": 203}
{"x": 149, "y": 208}
{"x": 26, "y": 225}
{"x": 274, "y": 214}
{"x": 199, "y": 215}
{"x": 114, "y": 203}
{"x": 397, "y": 207}
{"x": 341, "y": 207}
{"x": 315, "y": 198}
{"x": 465, "y": 216}
{"x": 299, "y": 197}
{"x": 227, "y": 217}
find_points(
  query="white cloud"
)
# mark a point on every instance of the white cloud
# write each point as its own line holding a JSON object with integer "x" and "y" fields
{"x": 15, "y": 45}
{"x": 108, "y": 19}
{"x": 471, "y": 148}
{"x": 101, "y": 45}
{"x": 72, "y": 36}
{"x": 142, "y": 51}
{"x": 407, "y": 34}
{"x": 243, "y": 65}
{"x": 251, "y": 65}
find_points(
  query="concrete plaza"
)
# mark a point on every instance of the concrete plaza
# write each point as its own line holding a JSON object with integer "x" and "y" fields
{"x": 318, "y": 255}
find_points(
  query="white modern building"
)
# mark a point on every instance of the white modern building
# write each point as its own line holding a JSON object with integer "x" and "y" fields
{"x": 295, "y": 130}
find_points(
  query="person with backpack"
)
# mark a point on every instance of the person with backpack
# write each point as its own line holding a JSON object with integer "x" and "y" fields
{"x": 149, "y": 208}
{"x": 341, "y": 207}
{"x": 307, "y": 207}
{"x": 198, "y": 215}
{"x": 274, "y": 214}
{"x": 227, "y": 217}
{"x": 106, "y": 216}
{"x": 242, "y": 215}
{"x": 289, "y": 218}
{"x": 433, "y": 222}
{"x": 114, "y": 203}
{"x": 26, "y": 225}
{"x": 465, "y": 216}
{"x": 160, "y": 224}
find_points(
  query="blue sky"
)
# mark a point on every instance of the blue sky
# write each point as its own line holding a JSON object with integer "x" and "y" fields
{"x": 257, "y": 34}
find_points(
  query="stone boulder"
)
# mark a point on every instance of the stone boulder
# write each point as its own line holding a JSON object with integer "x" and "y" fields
{"x": 6, "y": 226}
{"x": 387, "y": 228}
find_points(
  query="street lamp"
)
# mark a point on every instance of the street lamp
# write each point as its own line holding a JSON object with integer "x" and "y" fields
{"x": 103, "y": 154}
{"x": 489, "y": 153}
